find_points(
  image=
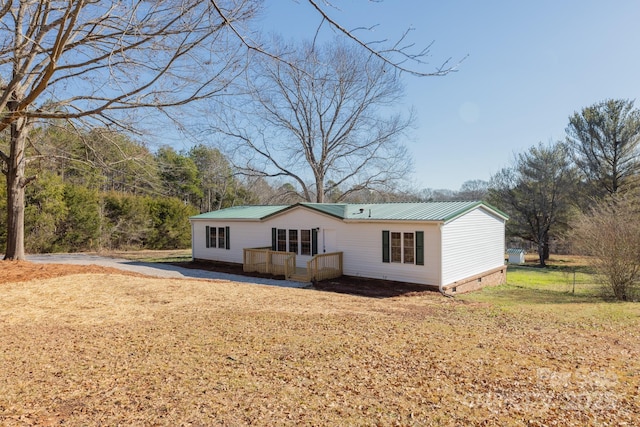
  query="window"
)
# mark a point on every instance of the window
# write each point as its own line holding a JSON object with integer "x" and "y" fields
{"x": 217, "y": 237}
{"x": 282, "y": 240}
{"x": 293, "y": 241}
{"x": 302, "y": 242}
{"x": 407, "y": 248}
{"x": 305, "y": 242}
{"x": 221, "y": 238}
{"x": 396, "y": 247}
{"x": 213, "y": 239}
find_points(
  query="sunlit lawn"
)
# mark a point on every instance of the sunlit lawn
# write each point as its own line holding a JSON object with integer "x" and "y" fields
{"x": 567, "y": 287}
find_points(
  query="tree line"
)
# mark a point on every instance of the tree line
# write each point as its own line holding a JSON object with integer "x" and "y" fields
{"x": 99, "y": 189}
{"x": 298, "y": 122}
{"x": 583, "y": 191}
{"x": 115, "y": 64}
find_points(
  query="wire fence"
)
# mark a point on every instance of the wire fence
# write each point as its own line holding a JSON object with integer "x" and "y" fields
{"x": 572, "y": 280}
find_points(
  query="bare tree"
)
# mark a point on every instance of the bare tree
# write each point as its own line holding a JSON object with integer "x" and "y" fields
{"x": 73, "y": 59}
{"x": 323, "y": 118}
{"x": 95, "y": 60}
{"x": 610, "y": 232}
{"x": 475, "y": 189}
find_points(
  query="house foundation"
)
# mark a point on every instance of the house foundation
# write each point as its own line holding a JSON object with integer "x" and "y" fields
{"x": 497, "y": 276}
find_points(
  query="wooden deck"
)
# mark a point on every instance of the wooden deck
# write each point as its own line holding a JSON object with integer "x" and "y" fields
{"x": 265, "y": 260}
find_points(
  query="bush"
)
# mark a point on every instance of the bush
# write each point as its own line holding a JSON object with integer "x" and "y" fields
{"x": 170, "y": 228}
{"x": 126, "y": 221}
{"x": 45, "y": 211}
{"x": 81, "y": 228}
{"x": 610, "y": 232}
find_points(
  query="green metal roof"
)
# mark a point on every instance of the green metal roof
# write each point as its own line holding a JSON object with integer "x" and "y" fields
{"x": 243, "y": 212}
{"x": 426, "y": 211}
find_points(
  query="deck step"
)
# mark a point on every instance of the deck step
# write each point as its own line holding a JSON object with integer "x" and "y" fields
{"x": 299, "y": 278}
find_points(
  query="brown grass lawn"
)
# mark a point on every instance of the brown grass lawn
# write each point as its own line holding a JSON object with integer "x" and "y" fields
{"x": 103, "y": 348}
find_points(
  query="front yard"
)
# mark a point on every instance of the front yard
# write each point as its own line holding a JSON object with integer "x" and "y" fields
{"x": 105, "y": 348}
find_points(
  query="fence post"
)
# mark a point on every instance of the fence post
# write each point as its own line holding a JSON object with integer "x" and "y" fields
{"x": 268, "y": 261}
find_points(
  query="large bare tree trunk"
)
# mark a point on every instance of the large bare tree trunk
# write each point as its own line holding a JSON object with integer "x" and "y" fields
{"x": 319, "y": 190}
{"x": 16, "y": 183}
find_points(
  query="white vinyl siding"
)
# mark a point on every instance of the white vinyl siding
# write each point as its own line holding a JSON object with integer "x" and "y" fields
{"x": 466, "y": 246}
{"x": 241, "y": 235}
{"x": 472, "y": 244}
{"x": 362, "y": 244}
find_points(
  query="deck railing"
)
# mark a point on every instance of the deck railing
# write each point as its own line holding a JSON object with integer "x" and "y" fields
{"x": 325, "y": 266}
{"x": 257, "y": 259}
{"x": 265, "y": 260}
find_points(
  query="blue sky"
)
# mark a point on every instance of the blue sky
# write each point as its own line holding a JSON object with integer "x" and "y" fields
{"x": 530, "y": 65}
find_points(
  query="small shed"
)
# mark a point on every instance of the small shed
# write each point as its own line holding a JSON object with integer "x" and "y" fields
{"x": 516, "y": 255}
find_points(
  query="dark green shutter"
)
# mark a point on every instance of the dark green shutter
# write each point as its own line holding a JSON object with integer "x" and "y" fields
{"x": 227, "y": 239}
{"x": 208, "y": 233}
{"x": 274, "y": 236}
{"x": 385, "y": 246}
{"x": 314, "y": 241}
{"x": 419, "y": 247}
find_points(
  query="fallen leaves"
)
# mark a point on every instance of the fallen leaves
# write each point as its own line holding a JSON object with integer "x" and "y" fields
{"x": 112, "y": 349}
{"x": 22, "y": 271}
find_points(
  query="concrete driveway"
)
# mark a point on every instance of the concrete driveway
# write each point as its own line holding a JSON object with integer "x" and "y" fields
{"x": 156, "y": 269}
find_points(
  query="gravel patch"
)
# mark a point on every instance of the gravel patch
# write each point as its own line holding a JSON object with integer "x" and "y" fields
{"x": 161, "y": 270}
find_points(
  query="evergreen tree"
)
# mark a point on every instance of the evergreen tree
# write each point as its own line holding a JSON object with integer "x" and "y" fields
{"x": 537, "y": 192}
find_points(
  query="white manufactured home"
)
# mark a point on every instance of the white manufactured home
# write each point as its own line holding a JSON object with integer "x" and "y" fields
{"x": 456, "y": 246}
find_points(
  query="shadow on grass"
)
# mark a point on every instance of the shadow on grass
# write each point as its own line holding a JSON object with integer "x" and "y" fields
{"x": 553, "y": 268}
{"x": 351, "y": 285}
{"x": 528, "y": 295}
{"x": 373, "y": 288}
